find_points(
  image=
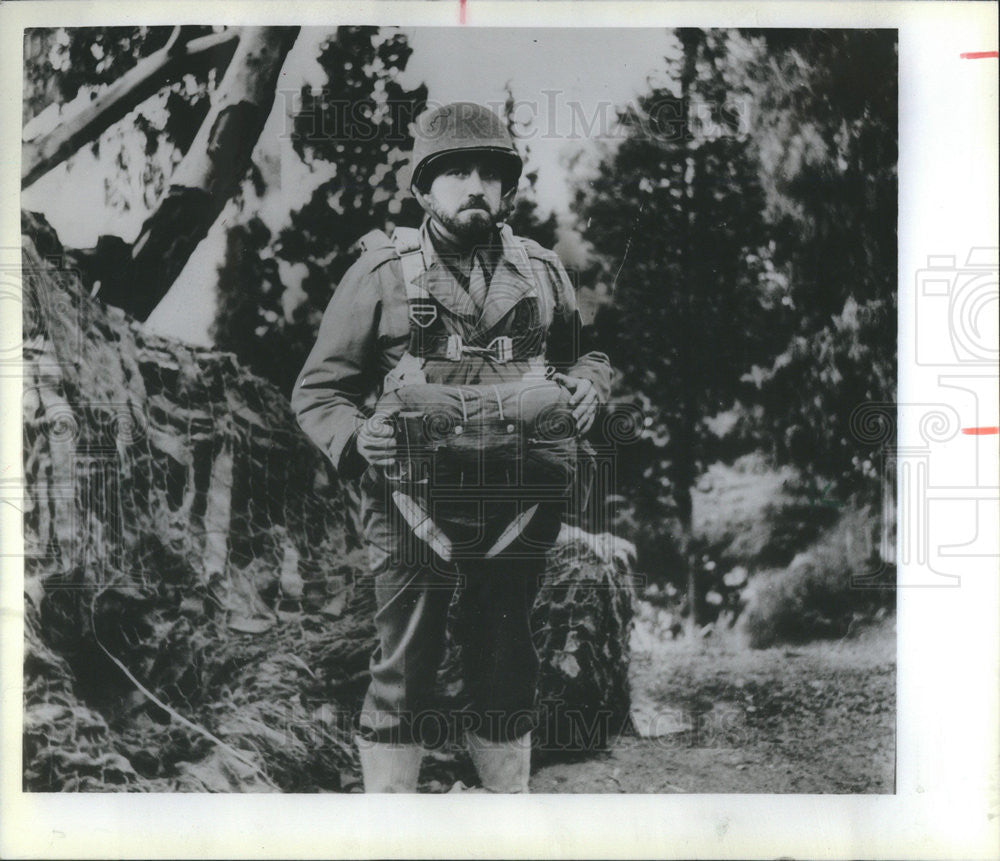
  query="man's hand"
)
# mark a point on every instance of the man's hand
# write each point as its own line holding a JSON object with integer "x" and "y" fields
{"x": 376, "y": 440}
{"x": 582, "y": 400}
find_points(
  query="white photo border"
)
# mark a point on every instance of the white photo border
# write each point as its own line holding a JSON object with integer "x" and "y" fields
{"x": 946, "y": 802}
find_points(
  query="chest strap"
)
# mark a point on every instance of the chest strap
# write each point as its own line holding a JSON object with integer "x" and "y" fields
{"x": 451, "y": 347}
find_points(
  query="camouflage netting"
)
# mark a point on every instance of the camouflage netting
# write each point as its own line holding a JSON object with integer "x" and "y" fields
{"x": 197, "y": 612}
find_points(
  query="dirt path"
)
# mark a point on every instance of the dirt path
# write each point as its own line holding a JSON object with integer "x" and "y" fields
{"x": 817, "y": 718}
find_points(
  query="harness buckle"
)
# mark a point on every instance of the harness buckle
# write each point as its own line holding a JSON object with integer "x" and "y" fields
{"x": 423, "y": 312}
{"x": 503, "y": 348}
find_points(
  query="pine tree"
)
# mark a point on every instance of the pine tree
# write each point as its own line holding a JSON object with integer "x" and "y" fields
{"x": 675, "y": 215}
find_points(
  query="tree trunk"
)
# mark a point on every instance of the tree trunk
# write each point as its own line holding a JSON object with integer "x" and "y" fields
{"x": 682, "y": 478}
{"x": 151, "y": 73}
{"x": 684, "y": 472}
{"x": 207, "y": 177}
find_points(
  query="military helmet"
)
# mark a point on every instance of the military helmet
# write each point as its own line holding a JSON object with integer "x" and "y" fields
{"x": 458, "y": 128}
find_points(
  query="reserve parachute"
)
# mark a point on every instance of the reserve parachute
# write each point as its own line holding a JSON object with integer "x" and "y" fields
{"x": 476, "y": 463}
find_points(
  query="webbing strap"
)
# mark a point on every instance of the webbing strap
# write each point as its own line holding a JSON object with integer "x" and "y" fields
{"x": 411, "y": 259}
{"x": 413, "y": 267}
{"x": 422, "y": 310}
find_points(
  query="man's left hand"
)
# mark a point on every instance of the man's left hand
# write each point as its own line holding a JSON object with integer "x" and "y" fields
{"x": 582, "y": 400}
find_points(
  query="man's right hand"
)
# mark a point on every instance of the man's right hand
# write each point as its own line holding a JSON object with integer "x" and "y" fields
{"x": 376, "y": 440}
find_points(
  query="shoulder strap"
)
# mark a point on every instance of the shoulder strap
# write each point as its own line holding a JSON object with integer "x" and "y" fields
{"x": 404, "y": 244}
{"x": 374, "y": 240}
{"x": 406, "y": 241}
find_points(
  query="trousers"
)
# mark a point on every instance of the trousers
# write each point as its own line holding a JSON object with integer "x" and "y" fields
{"x": 413, "y": 594}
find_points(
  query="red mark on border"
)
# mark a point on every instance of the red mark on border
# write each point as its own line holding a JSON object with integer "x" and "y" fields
{"x": 980, "y": 431}
{"x": 461, "y": 11}
{"x": 978, "y": 55}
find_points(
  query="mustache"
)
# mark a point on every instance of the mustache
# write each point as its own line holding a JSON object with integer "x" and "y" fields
{"x": 476, "y": 203}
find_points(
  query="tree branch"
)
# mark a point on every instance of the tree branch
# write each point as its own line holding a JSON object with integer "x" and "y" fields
{"x": 207, "y": 177}
{"x": 39, "y": 156}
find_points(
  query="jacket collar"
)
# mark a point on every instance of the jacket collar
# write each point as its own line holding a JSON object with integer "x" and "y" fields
{"x": 512, "y": 280}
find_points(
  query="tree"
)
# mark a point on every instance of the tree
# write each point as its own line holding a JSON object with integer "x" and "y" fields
{"x": 61, "y": 62}
{"x": 674, "y": 215}
{"x": 825, "y": 136}
{"x": 110, "y": 69}
{"x": 760, "y": 187}
{"x": 357, "y": 129}
{"x": 181, "y": 54}
{"x": 207, "y": 177}
{"x": 136, "y": 278}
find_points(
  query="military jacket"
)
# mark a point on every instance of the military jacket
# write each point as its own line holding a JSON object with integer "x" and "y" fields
{"x": 366, "y": 330}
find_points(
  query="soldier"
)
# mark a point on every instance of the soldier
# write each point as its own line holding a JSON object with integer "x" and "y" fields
{"x": 465, "y": 302}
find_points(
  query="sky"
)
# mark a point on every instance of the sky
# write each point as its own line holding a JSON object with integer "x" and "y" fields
{"x": 567, "y": 83}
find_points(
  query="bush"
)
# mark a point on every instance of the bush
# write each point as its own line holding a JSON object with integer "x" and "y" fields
{"x": 750, "y": 513}
{"x": 821, "y": 592}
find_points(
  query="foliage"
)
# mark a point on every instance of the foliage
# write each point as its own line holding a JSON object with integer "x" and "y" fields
{"x": 825, "y": 134}
{"x": 848, "y": 361}
{"x": 749, "y": 517}
{"x": 250, "y": 280}
{"x": 673, "y": 215}
{"x": 820, "y": 592}
{"x": 59, "y": 61}
{"x": 359, "y": 124}
{"x": 746, "y": 226}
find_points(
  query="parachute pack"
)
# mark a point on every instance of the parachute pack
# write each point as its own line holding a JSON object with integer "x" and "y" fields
{"x": 518, "y": 435}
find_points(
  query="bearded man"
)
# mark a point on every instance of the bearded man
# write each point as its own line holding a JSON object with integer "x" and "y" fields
{"x": 455, "y": 311}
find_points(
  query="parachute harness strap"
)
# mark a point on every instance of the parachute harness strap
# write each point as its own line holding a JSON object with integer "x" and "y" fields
{"x": 411, "y": 257}
{"x": 500, "y": 349}
{"x": 413, "y": 266}
{"x": 423, "y": 311}
{"x": 496, "y": 394}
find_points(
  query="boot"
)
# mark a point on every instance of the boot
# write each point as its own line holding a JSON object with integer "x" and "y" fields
{"x": 503, "y": 766}
{"x": 389, "y": 767}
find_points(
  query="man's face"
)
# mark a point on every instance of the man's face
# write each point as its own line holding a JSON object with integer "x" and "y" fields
{"x": 466, "y": 197}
